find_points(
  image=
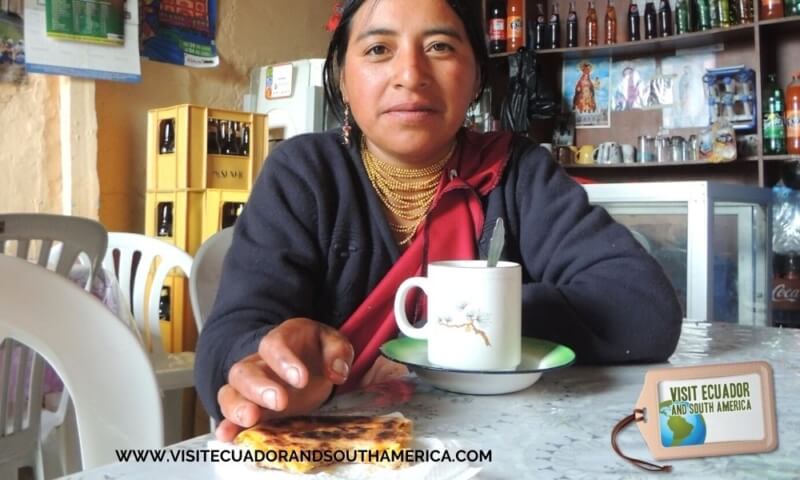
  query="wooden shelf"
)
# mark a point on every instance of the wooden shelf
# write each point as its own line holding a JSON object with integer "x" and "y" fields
{"x": 660, "y": 44}
{"x": 500, "y": 55}
{"x": 777, "y": 158}
{"x": 645, "y": 165}
{"x": 779, "y": 21}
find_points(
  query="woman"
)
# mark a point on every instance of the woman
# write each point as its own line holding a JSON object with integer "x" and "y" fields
{"x": 336, "y": 222}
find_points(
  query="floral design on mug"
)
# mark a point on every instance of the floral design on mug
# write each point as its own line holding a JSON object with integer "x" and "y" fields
{"x": 468, "y": 318}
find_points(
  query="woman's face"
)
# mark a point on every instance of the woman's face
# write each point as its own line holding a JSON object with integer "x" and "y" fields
{"x": 409, "y": 76}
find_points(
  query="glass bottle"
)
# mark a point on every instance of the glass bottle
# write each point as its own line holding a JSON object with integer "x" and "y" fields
{"x": 164, "y": 214}
{"x": 773, "y": 129}
{"x": 634, "y": 32}
{"x": 793, "y": 116}
{"x": 164, "y": 304}
{"x": 664, "y": 19}
{"x": 745, "y": 10}
{"x": 591, "y": 25}
{"x": 611, "y": 23}
{"x": 213, "y": 136}
{"x": 230, "y": 212}
{"x": 540, "y": 27}
{"x": 225, "y": 146}
{"x": 703, "y": 15}
{"x": 497, "y": 26}
{"x": 554, "y": 28}
{"x": 236, "y": 139}
{"x": 724, "y": 13}
{"x": 681, "y": 17}
{"x": 515, "y": 25}
{"x": 572, "y": 26}
{"x": 770, "y": 9}
{"x": 246, "y": 140}
{"x": 650, "y": 21}
{"x": 792, "y": 8}
{"x": 713, "y": 13}
{"x": 167, "y": 133}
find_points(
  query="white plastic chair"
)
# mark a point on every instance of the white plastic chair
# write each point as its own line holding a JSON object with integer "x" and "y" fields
{"x": 56, "y": 239}
{"x": 206, "y": 271}
{"x": 204, "y": 279}
{"x": 55, "y": 242}
{"x": 107, "y": 373}
{"x": 174, "y": 371}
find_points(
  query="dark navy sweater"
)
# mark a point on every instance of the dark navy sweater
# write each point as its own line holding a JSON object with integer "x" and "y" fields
{"x": 313, "y": 241}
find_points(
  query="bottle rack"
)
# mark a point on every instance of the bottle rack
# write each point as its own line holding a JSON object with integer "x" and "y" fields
{"x": 761, "y": 44}
{"x": 201, "y": 165}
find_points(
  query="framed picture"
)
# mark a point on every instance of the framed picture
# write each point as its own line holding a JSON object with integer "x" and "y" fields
{"x": 585, "y": 91}
{"x": 631, "y": 80}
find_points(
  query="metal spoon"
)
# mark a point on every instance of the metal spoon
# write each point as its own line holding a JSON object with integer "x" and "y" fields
{"x": 496, "y": 243}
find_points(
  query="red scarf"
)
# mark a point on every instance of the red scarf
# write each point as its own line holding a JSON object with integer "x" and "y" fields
{"x": 454, "y": 223}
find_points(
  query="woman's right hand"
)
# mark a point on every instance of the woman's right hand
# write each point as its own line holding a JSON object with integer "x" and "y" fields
{"x": 293, "y": 373}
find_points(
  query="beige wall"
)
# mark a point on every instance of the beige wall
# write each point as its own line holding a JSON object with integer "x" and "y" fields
{"x": 30, "y": 150}
{"x": 251, "y": 33}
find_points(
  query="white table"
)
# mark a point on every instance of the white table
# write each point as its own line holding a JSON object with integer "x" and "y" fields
{"x": 560, "y": 427}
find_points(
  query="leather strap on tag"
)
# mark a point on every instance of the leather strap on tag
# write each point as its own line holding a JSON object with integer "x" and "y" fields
{"x": 636, "y": 416}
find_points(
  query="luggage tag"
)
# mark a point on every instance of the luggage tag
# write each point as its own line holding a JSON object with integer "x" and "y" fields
{"x": 703, "y": 411}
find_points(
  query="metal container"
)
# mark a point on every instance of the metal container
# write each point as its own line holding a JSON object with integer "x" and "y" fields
{"x": 646, "y": 153}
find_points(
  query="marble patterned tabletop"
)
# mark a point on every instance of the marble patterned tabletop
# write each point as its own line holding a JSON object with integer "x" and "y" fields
{"x": 560, "y": 427}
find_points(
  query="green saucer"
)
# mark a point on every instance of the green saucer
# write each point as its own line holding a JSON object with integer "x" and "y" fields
{"x": 538, "y": 356}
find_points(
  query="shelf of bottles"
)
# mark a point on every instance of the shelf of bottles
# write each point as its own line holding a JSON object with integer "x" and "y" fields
{"x": 201, "y": 164}
{"x": 663, "y": 26}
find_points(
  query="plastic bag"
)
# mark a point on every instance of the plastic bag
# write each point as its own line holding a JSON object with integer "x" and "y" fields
{"x": 527, "y": 96}
{"x": 785, "y": 219}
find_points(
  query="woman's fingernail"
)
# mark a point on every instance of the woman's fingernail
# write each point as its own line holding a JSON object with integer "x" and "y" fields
{"x": 340, "y": 366}
{"x": 293, "y": 375}
{"x": 239, "y": 414}
{"x": 270, "y": 398}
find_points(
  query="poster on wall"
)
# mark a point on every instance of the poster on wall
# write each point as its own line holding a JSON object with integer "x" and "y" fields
{"x": 690, "y": 104}
{"x": 182, "y": 32}
{"x": 12, "y": 43}
{"x": 49, "y": 55}
{"x": 631, "y": 82}
{"x": 585, "y": 91}
{"x": 91, "y": 21}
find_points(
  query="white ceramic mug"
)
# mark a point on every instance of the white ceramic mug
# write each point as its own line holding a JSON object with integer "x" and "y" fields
{"x": 474, "y": 314}
{"x": 607, "y": 152}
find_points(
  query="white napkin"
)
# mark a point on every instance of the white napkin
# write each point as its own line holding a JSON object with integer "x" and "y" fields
{"x": 417, "y": 471}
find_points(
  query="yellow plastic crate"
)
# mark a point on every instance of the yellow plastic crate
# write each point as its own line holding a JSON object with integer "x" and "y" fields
{"x": 221, "y": 208}
{"x": 190, "y": 165}
{"x": 184, "y": 228}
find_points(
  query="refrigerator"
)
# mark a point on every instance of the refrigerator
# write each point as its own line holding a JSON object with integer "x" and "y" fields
{"x": 712, "y": 239}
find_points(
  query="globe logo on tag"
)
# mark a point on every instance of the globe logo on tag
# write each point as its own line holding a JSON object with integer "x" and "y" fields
{"x": 680, "y": 425}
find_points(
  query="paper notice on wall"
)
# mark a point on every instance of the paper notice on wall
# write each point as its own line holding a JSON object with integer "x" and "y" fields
{"x": 182, "y": 32}
{"x": 102, "y": 62}
{"x": 278, "y": 81}
{"x": 92, "y": 21}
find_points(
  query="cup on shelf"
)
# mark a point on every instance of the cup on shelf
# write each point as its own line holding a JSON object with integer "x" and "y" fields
{"x": 566, "y": 155}
{"x": 607, "y": 153}
{"x": 585, "y": 155}
{"x": 647, "y": 149}
{"x": 628, "y": 153}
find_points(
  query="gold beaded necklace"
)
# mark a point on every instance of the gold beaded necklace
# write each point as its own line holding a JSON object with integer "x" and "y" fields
{"x": 406, "y": 192}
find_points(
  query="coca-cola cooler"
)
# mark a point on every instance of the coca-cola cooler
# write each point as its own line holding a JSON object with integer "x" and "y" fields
{"x": 712, "y": 239}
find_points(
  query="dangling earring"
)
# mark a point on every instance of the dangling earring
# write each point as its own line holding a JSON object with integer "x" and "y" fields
{"x": 346, "y": 125}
